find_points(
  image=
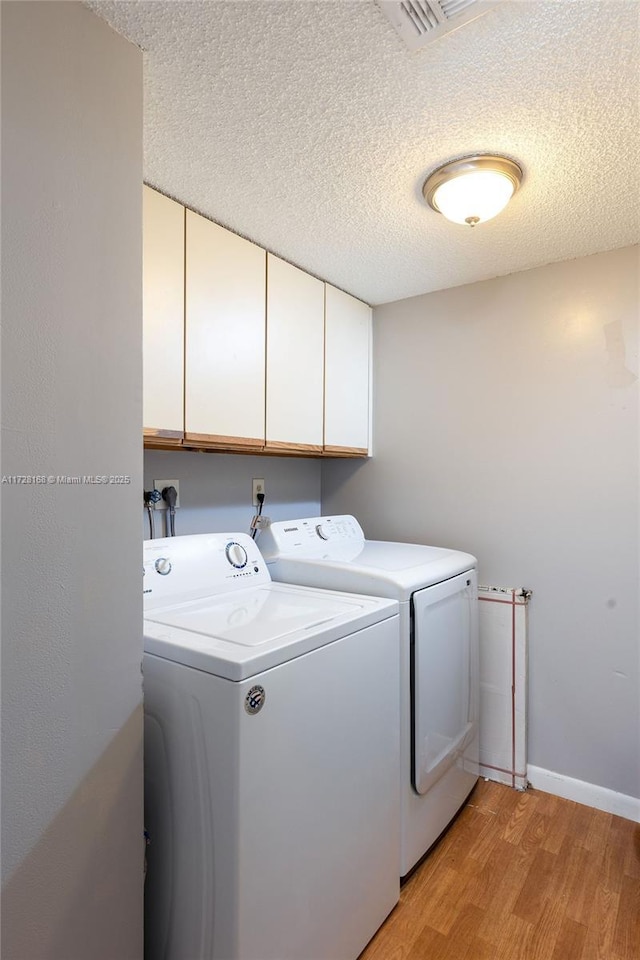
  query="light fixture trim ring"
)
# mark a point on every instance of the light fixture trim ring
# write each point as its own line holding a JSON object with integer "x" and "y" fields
{"x": 455, "y": 168}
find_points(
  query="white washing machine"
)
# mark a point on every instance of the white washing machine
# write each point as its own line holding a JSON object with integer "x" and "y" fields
{"x": 271, "y": 759}
{"x": 439, "y": 660}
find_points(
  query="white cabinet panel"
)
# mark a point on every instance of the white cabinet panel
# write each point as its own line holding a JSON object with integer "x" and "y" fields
{"x": 295, "y": 357}
{"x": 225, "y": 337}
{"x": 163, "y": 316}
{"x": 243, "y": 350}
{"x": 347, "y": 363}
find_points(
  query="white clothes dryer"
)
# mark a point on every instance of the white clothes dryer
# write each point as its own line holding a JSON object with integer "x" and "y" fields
{"x": 439, "y": 658}
{"x": 271, "y": 759}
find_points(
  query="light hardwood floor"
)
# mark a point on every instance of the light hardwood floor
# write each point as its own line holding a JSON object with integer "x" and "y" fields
{"x": 521, "y": 876}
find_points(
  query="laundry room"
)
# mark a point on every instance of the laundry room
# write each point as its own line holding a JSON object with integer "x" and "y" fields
{"x": 236, "y": 304}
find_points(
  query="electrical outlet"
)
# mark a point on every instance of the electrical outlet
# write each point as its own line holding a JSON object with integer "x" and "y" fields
{"x": 257, "y": 486}
{"x": 160, "y": 485}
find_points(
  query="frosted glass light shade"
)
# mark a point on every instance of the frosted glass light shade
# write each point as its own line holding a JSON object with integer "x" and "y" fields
{"x": 474, "y": 189}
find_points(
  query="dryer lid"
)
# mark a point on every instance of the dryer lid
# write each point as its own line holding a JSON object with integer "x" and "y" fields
{"x": 331, "y": 552}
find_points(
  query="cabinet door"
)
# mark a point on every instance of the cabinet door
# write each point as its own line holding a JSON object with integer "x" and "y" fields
{"x": 163, "y": 318}
{"x": 347, "y": 365}
{"x": 295, "y": 358}
{"x": 225, "y": 338}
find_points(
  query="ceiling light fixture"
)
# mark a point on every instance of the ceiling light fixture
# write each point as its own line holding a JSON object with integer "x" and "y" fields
{"x": 473, "y": 189}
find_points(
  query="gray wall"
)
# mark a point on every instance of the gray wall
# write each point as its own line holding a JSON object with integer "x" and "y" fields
{"x": 72, "y": 851}
{"x": 215, "y": 489}
{"x": 506, "y": 424}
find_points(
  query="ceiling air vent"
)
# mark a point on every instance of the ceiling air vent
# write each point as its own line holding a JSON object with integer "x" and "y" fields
{"x": 418, "y": 22}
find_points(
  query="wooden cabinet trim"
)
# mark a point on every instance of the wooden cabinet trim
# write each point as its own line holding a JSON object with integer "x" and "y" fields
{"x": 282, "y": 446}
{"x": 217, "y": 440}
{"x": 153, "y": 439}
{"x": 151, "y": 432}
{"x": 331, "y": 450}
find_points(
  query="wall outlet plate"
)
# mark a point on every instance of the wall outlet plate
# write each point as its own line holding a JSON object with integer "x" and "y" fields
{"x": 160, "y": 485}
{"x": 257, "y": 486}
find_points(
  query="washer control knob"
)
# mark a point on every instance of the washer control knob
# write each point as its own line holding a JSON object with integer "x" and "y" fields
{"x": 322, "y": 532}
{"x": 163, "y": 566}
{"x": 236, "y": 555}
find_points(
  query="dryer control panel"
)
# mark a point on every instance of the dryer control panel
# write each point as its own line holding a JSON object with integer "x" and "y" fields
{"x": 178, "y": 569}
{"x": 338, "y": 538}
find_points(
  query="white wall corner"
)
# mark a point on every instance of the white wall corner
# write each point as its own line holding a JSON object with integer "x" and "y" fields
{"x": 590, "y": 794}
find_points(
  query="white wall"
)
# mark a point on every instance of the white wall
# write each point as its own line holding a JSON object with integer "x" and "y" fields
{"x": 506, "y": 424}
{"x": 72, "y": 851}
{"x": 215, "y": 489}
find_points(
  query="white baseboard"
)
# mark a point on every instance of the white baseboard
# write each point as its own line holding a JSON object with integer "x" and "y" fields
{"x": 588, "y": 793}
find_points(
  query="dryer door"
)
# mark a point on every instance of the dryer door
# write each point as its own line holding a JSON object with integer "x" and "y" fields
{"x": 444, "y": 676}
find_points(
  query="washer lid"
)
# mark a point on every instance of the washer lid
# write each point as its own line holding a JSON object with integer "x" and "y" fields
{"x": 238, "y": 634}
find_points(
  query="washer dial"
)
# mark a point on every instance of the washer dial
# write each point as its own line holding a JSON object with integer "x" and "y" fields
{"x": 236, "y": 555}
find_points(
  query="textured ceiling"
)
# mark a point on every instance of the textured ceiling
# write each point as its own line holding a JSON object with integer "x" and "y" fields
{"x": 309, "y": 127}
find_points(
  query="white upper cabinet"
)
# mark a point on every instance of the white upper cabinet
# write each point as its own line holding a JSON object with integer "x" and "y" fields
{"x": 295, "y": 358}
{"x": 347, "y": 371}
{"x": 242, "y": 350}
{"x": 225, "y": 337}
{"x": 163, "y": 317}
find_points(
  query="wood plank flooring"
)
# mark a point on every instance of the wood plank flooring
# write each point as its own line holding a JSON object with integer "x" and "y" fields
{"x": 521, "y": 876}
